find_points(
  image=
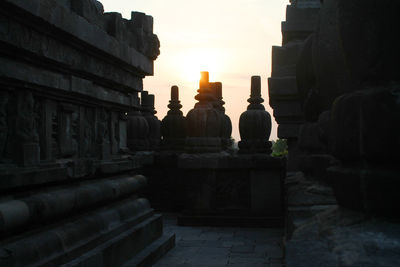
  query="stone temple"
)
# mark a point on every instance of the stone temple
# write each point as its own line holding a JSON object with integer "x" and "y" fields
{"x": 89, "y": 176}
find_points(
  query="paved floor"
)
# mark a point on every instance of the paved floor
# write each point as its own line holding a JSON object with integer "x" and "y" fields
{"x": 216, "y": 246}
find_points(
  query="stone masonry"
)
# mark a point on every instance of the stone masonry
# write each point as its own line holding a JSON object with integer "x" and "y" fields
{"x": 70, "y": 188}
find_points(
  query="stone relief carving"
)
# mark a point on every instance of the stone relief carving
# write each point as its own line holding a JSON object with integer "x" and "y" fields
{"x": 26, "y": 128}
{"x": 88, "y": 135}
{"x": 103, "y": 133}
{"x": 67, "y": 130}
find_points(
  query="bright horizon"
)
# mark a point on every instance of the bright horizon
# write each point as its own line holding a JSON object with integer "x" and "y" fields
{"x": 232, "y": 40}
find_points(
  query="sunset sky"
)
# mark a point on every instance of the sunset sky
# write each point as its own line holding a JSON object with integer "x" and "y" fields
{"x": 231, "y": 39}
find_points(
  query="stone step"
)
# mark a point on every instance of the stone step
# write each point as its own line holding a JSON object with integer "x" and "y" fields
{"x": 120, "y": 249}
{"x": 52, "y": 203}
{"x": 152, "y": 253}
{"x": 128, "y": 223}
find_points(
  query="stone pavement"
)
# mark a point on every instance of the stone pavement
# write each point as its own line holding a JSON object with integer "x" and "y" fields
{"x": 222, "y": 246}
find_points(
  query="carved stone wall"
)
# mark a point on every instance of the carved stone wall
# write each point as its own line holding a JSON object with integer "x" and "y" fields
{"x": 69, "y": 76}
{"x": 284, "y": 94}
{"x": 348, "y": 81}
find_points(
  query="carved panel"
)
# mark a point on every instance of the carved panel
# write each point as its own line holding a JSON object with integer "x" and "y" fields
{"x": 67, "y": 130}
{"x": 103, "y": 133}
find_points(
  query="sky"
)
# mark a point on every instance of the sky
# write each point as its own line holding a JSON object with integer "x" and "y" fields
{"x": 232, "y": 39}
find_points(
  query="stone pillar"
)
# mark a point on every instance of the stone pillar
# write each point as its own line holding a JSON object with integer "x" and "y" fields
{"x": 152, "y": 120}
{"x": 173, "y": 125}
{"x": 255, "y": 123}
{"x": 203, "y": 122}
{"x": 226, "y": 124}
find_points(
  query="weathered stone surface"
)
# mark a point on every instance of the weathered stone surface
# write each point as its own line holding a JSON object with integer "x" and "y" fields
{"x": 41, "y": 207}
{"x": 341, "y": 237}
{"x": 366, "y": 189}
{"x": 70, "y": 75}
{"x": 73, "y": 24}
{"x": 348, "y": 84}
{"x": 221, "y": 189}
{"x": 285, "y": 98}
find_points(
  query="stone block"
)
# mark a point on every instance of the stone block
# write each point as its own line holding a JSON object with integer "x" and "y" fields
{"x": 285, "y": 55}
{"x": 283, "y": 71}
{"x": 302, "y": 12}
{"x": 266, "y": 192}
{"x": 236, "y": 190}
{"x": 286, "y": 131}
{"x": 288, "y": 109}
{"x": 282, "y": 87}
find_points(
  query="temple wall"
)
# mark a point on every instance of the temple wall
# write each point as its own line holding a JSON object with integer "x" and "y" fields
{"x": 70, "y": 191}
{"x": 284, "y": 95}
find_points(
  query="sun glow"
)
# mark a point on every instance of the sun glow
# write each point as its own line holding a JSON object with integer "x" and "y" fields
{"x": 193, "y": 61}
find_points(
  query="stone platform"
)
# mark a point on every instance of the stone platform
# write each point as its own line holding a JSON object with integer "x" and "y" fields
{"x": 232, "y": 190}
{"x": 222, "y": 246}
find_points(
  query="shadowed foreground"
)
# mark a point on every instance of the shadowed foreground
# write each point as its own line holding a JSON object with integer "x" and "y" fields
{"x": 222, "y": 246}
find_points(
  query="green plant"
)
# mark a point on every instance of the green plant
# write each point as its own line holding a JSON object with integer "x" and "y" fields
{"x": 279, "y": 148}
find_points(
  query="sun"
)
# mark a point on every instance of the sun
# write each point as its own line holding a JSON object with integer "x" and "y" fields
{"x": 193, "y": 61}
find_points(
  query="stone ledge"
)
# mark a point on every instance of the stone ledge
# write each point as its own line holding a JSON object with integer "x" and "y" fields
{"x": 69, "y": 239}
{"x": 78, "y": 27}
{"x": 31, "y": 76}
{"x": 54, "y": 203}
{"x": 13, "y": 177}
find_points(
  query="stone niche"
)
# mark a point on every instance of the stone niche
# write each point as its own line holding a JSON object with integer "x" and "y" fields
{"x": 70, "y": 188}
